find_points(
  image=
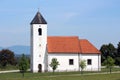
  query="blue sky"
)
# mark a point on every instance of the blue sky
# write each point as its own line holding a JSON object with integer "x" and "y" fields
{"x": 95, "y": 20}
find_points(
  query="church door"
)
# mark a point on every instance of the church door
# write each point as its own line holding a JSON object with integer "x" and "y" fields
{"x": 39, "y": 68}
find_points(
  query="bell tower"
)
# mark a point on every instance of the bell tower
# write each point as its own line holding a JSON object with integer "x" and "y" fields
{"x": 38, "y": 43}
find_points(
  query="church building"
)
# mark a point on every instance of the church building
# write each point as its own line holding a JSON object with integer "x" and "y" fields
{"x": 68, "y": 50}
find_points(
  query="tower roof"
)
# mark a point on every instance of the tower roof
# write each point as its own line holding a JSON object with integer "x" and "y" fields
{"x": 38, "y": 19}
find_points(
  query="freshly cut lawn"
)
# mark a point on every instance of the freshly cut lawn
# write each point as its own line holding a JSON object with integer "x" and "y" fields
{"x": 49, "y": 76}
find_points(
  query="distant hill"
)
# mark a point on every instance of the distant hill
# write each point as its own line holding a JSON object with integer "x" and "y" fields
{"x": 19, "y": 49}
{"x": 1, "y": 48}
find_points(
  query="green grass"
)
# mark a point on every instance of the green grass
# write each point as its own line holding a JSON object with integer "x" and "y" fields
{"x": 108, "y": 70}
{"x": 60, "y": 76}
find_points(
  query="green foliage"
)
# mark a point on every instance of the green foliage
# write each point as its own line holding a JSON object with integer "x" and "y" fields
{"x": 107, "y": 50}
{"x": 109, "y": 62}
{"x": 82, "y": 65}
{"x": 118, "y": 55}
{"x": 23, "y": 64}
{"x": 110, "y": 50}
{"x": 9, "y": 67}
{"x": 117, "y": 60}
{"x": 6, "y": 57}
{"x": 54, "y": 64}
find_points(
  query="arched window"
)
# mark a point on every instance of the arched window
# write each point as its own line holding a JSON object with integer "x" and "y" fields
{"x": 40, "y": 31}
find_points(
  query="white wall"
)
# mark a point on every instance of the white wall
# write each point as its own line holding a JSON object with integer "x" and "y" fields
{"x": 63, "y": 60}
{"x": 96, "y": 62}
{"x": 38, "y": 46}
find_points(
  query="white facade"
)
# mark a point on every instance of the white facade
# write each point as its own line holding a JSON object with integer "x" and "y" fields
{"x": 38, "y": 47}
{"x": 95, "y": 61}
{"x": 64, "y": 58}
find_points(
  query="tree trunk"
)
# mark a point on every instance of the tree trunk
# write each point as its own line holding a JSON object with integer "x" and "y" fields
{"x": 110, "y": 70}
{"x": 81, "y": 71}
{"x": 53, "y": 71}
{"x": 23, "y": 74}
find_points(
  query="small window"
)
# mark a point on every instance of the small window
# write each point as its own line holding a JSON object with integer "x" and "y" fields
{"x": 89, "y": 62}
{"x": 40, "y": 31}
{"x": 71, "y": 62}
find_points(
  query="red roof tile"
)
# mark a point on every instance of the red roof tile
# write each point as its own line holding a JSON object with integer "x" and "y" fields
{"x": 70, "y": 44}
{"x": 63, "y": 44}
{"x": 87, "y": 47}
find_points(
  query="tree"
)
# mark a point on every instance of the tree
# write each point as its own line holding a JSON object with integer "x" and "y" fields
{"x": 6, "y": 57}
{"x": 54, "y": 64}
{"x": 118, "y": 55}
{"x": 23, "y": 64}
{"x": 107, "y": 50}
{"x": 109, "y": 63}
{"x": 82, "y": 65}
{"x": 117, "y": 61}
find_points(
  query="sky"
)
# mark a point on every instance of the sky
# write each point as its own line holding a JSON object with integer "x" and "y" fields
{"x": 95, "y": 20}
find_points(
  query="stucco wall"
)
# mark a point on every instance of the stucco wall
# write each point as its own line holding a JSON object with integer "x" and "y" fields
{"x": 95, "y": 61}
{"x": 38, "y": 46}
{"x": 63, "y": 60}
